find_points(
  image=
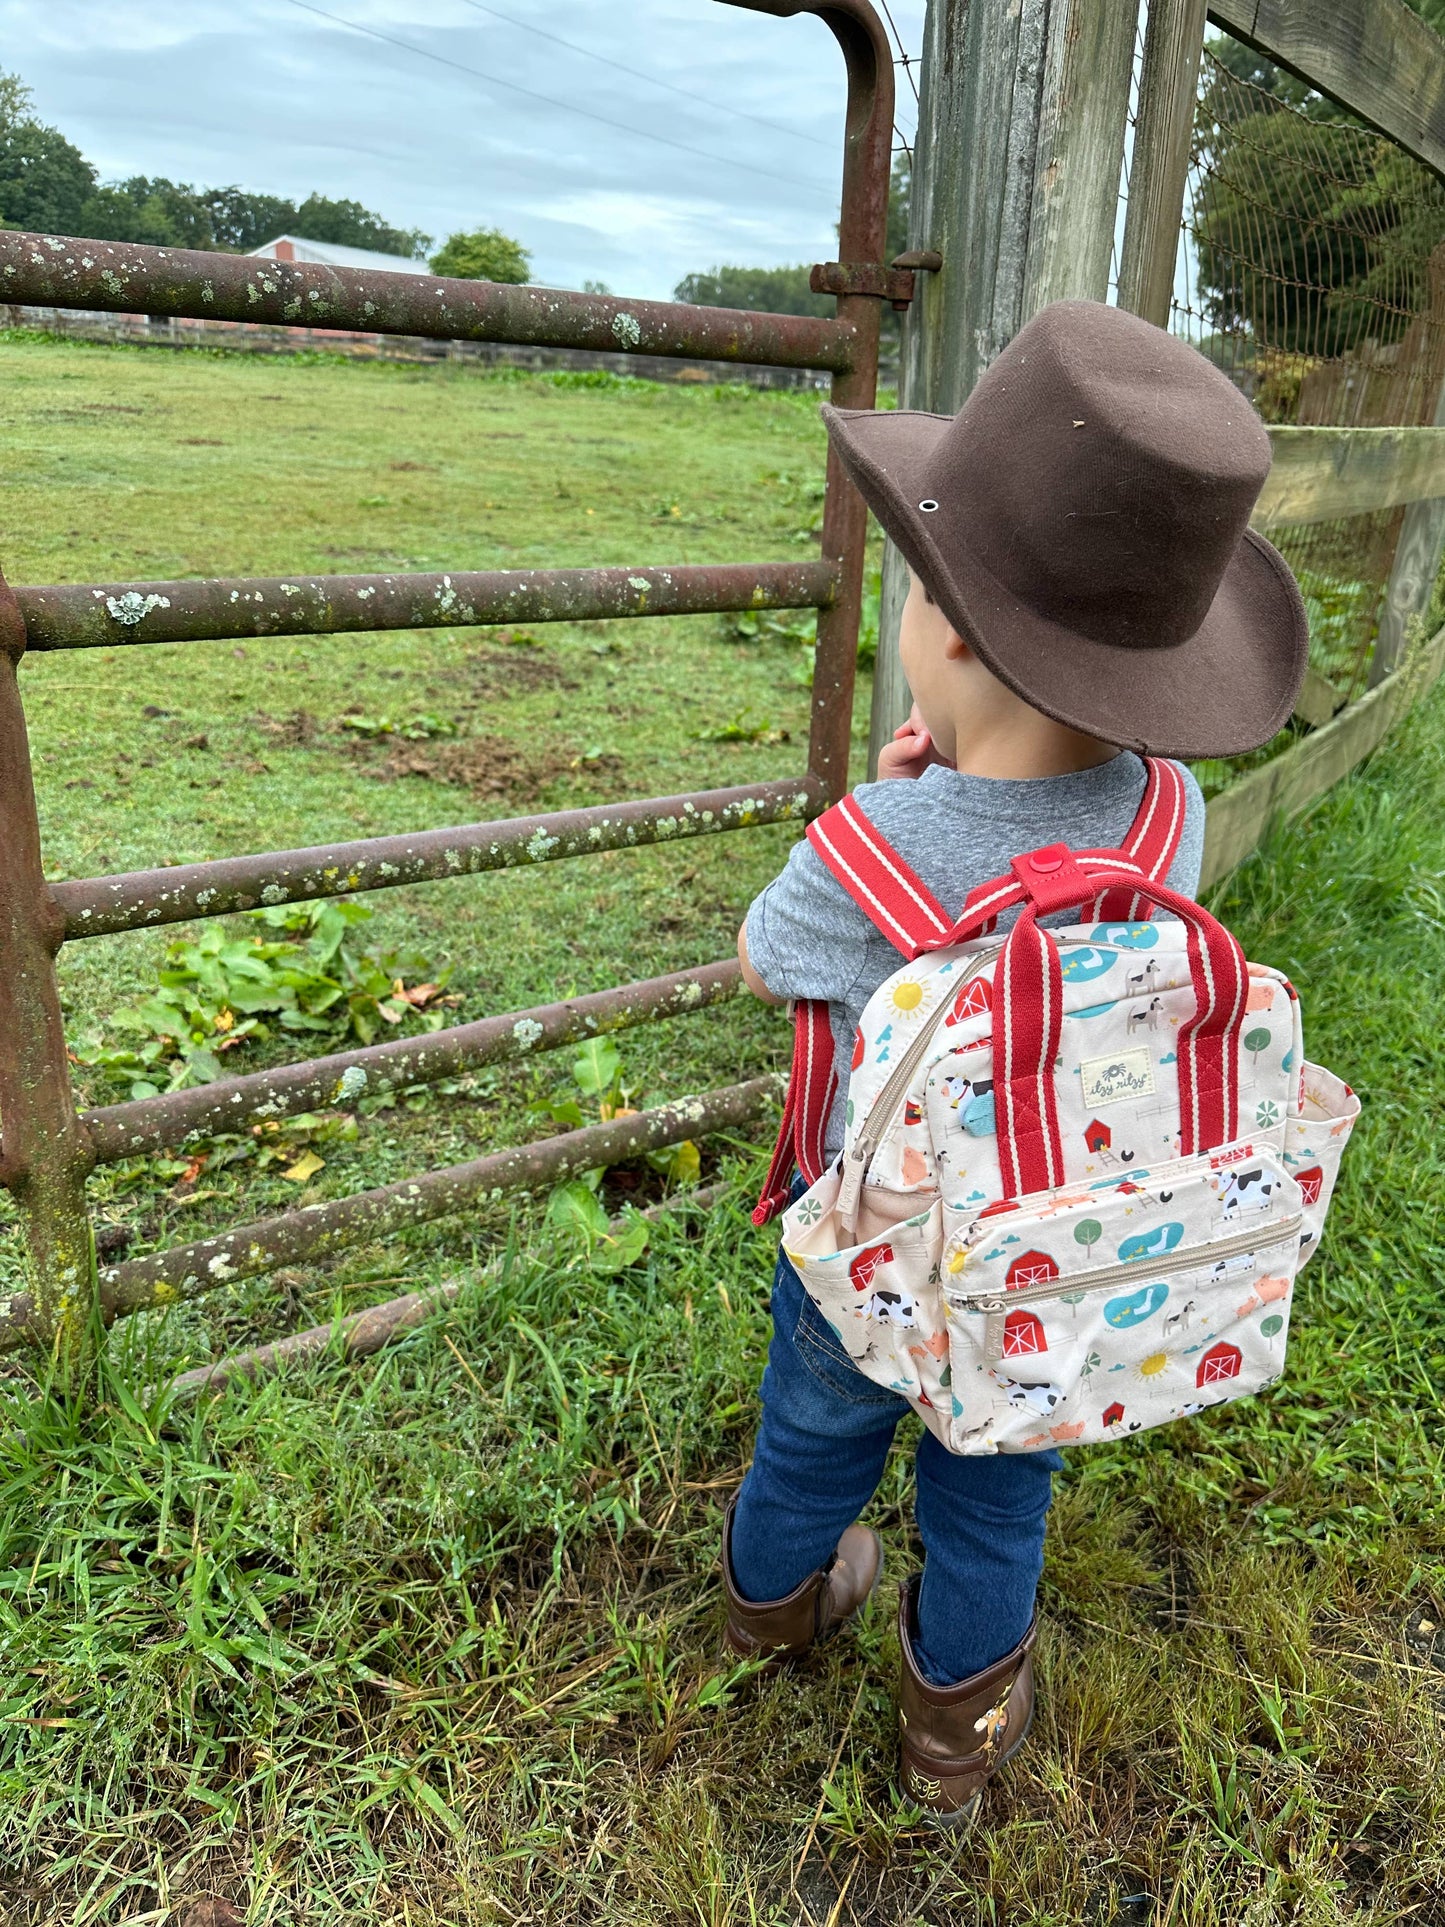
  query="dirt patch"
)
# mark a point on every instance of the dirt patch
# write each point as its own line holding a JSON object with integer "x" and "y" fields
{"x": 496, "y": 766}
{"x": 513, "y": 670}
{"x": 295, "y": 730}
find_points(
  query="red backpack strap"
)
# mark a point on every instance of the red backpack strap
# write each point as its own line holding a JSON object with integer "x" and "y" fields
{"x": 905, "y": 910}
{"x": 805, "y": 1109}
{"x": 862, "y": 859}
{"x": 1152, "y": 842}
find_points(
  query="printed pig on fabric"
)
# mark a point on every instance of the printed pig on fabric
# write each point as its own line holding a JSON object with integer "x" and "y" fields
{"x": 1131, "y": 1303}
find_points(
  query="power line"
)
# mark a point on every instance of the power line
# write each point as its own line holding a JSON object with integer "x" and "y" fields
{"x": 568, "y": 107}
{"x": 652, "y": 80}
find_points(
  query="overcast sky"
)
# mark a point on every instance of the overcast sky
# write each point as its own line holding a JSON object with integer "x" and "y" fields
{"x": 475, "y": 119}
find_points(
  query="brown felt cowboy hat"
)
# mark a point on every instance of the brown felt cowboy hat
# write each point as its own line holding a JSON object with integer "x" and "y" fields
{"x": 1083, "y": 524}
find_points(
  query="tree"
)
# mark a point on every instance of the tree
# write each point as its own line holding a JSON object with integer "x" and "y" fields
{"x": 350, "y": 225}
{"x": 766, "y": 290}
{"x": 241, "y": 221}
{"x": 45, "y": 181}
{"x": 900, "y": 201}
{"x": 1306, "y": 242}
{"x": 483, "y": 254}
{"x": 159, "y": 212}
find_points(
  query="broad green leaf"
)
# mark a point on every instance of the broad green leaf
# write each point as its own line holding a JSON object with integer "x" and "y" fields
{"x": 615, "y": 1252}
{"x": 596, "y": 1066}
{"x": 572, "y": 1209}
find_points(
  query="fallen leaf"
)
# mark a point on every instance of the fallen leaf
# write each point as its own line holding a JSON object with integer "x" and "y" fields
{"x": 209, "y": 1911}
{"x": 419, "y": 996}
{"x": 306, "y": 1166}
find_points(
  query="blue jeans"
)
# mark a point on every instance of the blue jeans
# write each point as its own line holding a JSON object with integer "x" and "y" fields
{"x": 820, "y": 1451}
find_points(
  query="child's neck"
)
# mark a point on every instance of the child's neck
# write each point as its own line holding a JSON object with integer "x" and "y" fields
{"x": 1000, "y": 735}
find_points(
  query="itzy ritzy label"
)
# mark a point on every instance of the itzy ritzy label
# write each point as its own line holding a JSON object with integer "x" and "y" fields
{"x": 1108, "y": 1080}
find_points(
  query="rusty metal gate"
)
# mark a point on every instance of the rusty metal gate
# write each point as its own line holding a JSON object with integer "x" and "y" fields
{"x": 46, "y": 1149}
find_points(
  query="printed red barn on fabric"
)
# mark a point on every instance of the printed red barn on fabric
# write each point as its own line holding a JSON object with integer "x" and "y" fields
{"x": 1023, "y": 1332}
{"x": 1310, "y": 1184}
{"x": 974, "y": 1000}
{"x": 1219, "y": 1362}
{"x": 867, "y": 1264}
{"x": 1030, "y": 1268}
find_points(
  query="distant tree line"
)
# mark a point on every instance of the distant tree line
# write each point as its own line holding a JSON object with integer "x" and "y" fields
{"x": 48, "y": 186}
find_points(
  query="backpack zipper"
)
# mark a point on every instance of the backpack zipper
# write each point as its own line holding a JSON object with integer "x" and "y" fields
{"x": 885, "y": 1105}
{"x": 1191, "y": 1258}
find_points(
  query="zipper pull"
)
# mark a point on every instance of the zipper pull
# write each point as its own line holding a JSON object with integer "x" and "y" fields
{"x": 855, "y": 1168}
{"x": 994, "y": 1310}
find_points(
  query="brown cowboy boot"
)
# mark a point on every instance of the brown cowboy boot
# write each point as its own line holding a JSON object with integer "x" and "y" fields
{"x": 955, "y": 1738}
{"x": 787, "y": 1627}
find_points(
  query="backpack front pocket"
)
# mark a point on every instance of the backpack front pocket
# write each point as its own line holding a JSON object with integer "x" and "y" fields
{"x": 1314, "y": 1142}
{"x": 880, "y": 1296}
{"x": 1088, "y": 1315}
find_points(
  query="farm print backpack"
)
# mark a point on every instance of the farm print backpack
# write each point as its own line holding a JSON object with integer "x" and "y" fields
{"x": 1083, "y": 1166}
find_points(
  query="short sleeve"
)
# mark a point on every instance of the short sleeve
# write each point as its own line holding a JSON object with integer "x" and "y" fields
{"x": 806, "y": 937}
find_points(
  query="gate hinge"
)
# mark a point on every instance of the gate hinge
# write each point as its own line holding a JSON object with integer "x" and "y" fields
{"x": 894, "y": 284}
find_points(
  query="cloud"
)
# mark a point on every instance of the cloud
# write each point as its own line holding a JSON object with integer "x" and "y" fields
{"x": 267, "y": 94}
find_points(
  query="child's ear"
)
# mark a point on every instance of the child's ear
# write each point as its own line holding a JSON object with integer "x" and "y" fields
{"x": 955, "y": 648}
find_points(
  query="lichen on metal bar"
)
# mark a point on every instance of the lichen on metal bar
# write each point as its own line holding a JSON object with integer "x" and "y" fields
{"x": 236, "y": 1103}
{"x": 141, "y": 899}
{"x": 319, "y": 1230}
{"x": 362, "y": 1333}
{"x": 61, "y": 271}
{"x": 88, "y": 615}
{"x": 303, "y": 1236}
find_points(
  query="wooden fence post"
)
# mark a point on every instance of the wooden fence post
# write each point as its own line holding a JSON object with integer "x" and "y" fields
{"x": 1015, "y": 183}
{"x": 1159, "y": 170}
{"x": 1418, "y": 550}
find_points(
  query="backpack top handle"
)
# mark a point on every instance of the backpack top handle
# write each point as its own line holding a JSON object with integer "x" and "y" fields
{"x": 1028, "y": 1015}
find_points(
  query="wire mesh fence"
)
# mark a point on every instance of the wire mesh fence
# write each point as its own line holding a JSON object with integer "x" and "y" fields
{"x": 1311, "y": 269}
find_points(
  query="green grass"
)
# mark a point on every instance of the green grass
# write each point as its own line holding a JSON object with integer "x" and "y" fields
{"x": 141, "y": 464}
{"x": 435, "y": 1638}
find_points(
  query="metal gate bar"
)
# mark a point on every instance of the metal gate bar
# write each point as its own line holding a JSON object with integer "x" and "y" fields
{"x": 51, "y": 271}
{"x": 47, "y": 1151}
{"x": 141, "y": 899}
{"x": 89, "y": 615}
{"x": 189, "y": 1271}
{"x": 156, "y": 1123}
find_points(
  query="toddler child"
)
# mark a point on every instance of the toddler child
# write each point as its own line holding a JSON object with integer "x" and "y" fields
{"x": 1082, "y": 577}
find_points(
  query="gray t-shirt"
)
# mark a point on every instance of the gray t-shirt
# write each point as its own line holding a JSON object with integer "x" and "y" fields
{"x": 808, "y": 939}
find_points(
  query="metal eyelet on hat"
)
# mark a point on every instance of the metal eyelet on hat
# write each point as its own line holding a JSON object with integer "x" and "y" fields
{"x": 927, "y": 507}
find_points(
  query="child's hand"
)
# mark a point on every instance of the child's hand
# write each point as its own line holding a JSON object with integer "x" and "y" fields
{"x": 911, "y": 751}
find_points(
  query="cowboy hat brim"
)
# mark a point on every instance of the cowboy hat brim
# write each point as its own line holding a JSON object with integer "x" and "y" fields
{"x": 1228, "y": 688}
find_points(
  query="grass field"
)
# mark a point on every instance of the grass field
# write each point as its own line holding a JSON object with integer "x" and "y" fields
{"x": 142, "y": 464}
{"x": 436, "y": 1638}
